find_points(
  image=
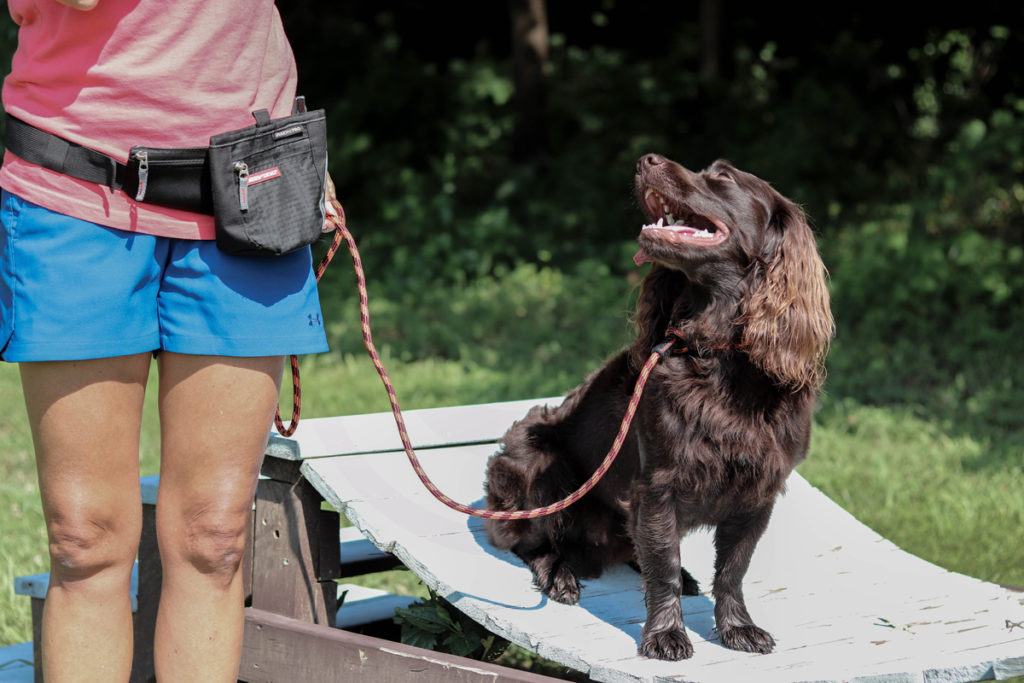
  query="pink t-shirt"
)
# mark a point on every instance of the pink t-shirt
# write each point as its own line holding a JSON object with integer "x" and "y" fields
{"x": 159, "y": 73}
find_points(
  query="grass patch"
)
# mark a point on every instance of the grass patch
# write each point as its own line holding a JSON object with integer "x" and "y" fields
{"x": 23, "y": 542}
{"x": 917, "y": 484}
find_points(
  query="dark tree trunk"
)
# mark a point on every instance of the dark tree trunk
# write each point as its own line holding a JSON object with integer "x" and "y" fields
{"x": 715, "y": 57}
{"x": 530, "y": 54}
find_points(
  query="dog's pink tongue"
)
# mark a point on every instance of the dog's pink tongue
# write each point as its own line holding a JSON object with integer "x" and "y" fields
{"x": 641, "y": 257}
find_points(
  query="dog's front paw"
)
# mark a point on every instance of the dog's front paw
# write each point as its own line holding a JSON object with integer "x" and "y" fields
{"x": 669, "y": 645}
{"x": 748, "y": 638}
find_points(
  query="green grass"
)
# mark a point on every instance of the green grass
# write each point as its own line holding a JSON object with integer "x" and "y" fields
{"x": 919, "y": 485}
{"x": 23, "y": 542}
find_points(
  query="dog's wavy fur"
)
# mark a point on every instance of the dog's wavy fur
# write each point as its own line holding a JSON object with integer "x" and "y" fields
{"x": 717, "y": 431}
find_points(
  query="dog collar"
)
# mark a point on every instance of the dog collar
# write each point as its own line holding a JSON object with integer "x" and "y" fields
{"x": 676, "y": 344}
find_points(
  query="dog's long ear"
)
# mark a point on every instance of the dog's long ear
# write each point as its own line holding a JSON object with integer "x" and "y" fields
{"x": 786, "y": 315}
{"x": 658, "y": 294}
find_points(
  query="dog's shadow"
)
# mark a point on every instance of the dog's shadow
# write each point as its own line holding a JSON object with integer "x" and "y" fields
{"x": 615, "y": 598}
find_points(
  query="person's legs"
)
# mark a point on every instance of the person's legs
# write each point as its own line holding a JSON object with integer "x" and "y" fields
{"x": 226, "y": 323}
{"x": 85, "y": 420}
{"x": 71, "y": 290}
{"x": 215, "y": 415}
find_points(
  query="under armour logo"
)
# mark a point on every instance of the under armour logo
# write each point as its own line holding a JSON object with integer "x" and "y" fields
{"x": 314, "y": 320}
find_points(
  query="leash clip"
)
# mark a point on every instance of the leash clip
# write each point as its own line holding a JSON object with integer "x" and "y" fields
{"x": 665, "y": 347}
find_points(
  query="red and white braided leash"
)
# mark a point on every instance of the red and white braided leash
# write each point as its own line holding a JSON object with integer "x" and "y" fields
{"x": 341, "y": 232}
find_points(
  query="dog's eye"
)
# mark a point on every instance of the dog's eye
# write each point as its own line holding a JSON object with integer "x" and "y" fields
{"x": 724, "y": 175}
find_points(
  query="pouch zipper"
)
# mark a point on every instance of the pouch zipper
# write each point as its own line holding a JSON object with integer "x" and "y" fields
{"x": 143, "y": 158}
{"x": 242, "y": 169}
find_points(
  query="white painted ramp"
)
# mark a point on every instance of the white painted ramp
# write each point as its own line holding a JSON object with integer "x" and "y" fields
{"x": 843, "y": 603}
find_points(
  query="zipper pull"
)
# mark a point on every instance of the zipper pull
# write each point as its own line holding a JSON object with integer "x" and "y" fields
{"x": 242, "y": 169}
{"x": 143, "y": 158}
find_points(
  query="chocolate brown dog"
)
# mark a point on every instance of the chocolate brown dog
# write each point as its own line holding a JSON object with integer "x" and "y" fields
{"x": 738, "y": 278}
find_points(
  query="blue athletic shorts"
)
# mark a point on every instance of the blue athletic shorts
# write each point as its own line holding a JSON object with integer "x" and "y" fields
{"x": 74, "y": 290}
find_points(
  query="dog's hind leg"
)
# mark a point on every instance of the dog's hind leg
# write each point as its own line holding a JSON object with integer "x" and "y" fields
{"x": 554, "y": 576}
{"x": 524, "y": 475}
{"x": 735, "y": 540}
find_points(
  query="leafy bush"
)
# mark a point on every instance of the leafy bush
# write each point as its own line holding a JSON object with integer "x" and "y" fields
{"x": 536, "y": 324}
{"x": 928, "y": 294}
{"x": 435, "y": 625}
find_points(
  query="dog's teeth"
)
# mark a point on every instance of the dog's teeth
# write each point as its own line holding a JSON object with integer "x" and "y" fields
{"x": 671, "y": 219}
{"x": 649, "y": 192}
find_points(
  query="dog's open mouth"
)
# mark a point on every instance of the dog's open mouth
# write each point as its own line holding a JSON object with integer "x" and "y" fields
{"x": 677, "y": 226}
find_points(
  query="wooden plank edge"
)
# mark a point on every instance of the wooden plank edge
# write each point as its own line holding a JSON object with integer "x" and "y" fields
{"x": 367, "y": 605}
{"x": 36, "y": 586}
{"x": 283, "y": 448}
{"x": 149, "y": 485}
{"x": 1008, "y": 668}
{"x": 17, "y": 661}
{"x": 277, "y": 648}
{"x": 358, "y": 556}
{"x": 427, "y": 427}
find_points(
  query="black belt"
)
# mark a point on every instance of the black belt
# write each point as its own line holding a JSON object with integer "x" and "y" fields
{"x": 57, "y": 154}
{"x": 179, "y": 178}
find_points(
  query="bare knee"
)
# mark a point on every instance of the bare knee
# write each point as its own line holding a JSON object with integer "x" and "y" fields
{"x": 213, "y": 543}
{"x": 82, "y": 547}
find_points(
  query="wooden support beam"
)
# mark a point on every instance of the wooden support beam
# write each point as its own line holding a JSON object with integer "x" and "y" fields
{"x": 277, "y": 648}
{"x": 37, "y": 638}
{"x": 148, "y": 597}
{"x": 295, "y": 552}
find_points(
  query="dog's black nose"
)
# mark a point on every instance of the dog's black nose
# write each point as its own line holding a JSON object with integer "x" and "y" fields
{"x": 649, "y": 160}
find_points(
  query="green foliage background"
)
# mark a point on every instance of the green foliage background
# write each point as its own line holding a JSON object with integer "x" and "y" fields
{"x": 902, "y": 139}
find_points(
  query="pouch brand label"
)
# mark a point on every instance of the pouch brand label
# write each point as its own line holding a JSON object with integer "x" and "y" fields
{"x": 287, "y": 132}
{"x": 262, "y": 176}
